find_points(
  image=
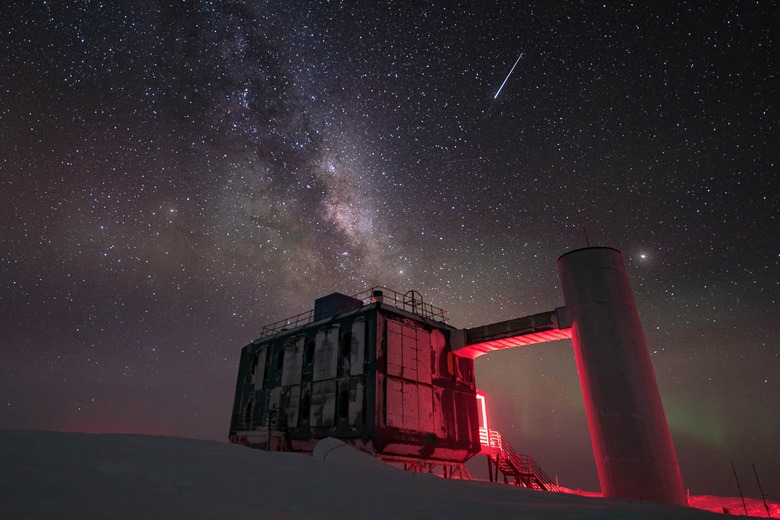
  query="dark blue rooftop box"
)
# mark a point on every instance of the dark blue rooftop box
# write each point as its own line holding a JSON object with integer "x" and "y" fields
{"x": 334, "y": 304}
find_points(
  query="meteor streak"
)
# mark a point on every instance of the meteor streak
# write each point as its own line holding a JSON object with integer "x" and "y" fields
{"x": 507, "y": 76}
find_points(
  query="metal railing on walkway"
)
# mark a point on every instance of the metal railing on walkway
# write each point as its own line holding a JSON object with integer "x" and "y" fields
{"x": 522, "y": 468}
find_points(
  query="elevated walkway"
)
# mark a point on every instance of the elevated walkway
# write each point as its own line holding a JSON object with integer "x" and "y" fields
{"x": 537, "y": 328}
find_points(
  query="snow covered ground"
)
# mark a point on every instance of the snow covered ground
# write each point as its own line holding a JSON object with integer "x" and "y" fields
{"x": 51, "y": 475}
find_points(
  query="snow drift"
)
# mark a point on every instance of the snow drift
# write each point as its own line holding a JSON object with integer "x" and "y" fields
{"x": 72, "y": 475}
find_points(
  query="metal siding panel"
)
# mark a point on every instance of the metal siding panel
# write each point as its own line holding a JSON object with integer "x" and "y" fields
{"x": 293, "y": 406}
{"x": 439, "y": 421}
{"x": 463, "y": 430}
{"x": 333, "y": 360}
{"x": 424, "y": 368}
{"x": 248, "y": 415}
{"x": 409, "y": 353}
{"x": 323, "y": 404}
{"x": 423, "y": 338}
{"x": 261, "y": 407}
{"x": 375, "y": 343}
{"x": 356, "y": 391}
{"x": 380, "y": 407}
{"x": 394, "y": 327}
{"x": 411, "y": 406}
{"x": 320, "y": 354}
{"x": 357, "y": 351}
{"x": 315, "y": 410}
{"x": 329, "y": 408}
{"x": 258, "y": 374}
{"x": 409, "y": 362}
{"x": 274, "y": 407}
{"x": 409, "y": 331}
{"x": 394, "y": 352}
{"x": 304, "y": 412}
{"x": 426, "y": 409}
{"x": 439, "y": 346}
{"x": 326, "y": 352}
{"x": 424, "y": 357}
{"x": 293, "y": 362}
{"x": 395, "y": 403}
{"x": 448, "y": 414}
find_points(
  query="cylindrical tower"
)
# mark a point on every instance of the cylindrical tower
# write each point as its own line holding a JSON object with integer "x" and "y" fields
{"x": 634, "y": 453}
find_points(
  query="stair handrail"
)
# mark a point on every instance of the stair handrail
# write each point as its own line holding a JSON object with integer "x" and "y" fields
{"x": 498, "y": 442}
{"x": 543, "y": 477}
{"x": 524, "y": 464}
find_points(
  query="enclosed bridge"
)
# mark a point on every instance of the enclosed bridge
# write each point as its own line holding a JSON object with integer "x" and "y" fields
{"x": 384, "y": 372}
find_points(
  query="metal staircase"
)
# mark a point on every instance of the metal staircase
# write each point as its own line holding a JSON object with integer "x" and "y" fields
{"x": 521, "y": 470}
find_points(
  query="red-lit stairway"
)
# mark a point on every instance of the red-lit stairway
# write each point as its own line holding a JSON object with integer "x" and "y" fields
{"x": 518, "y": 469}
{"x": 521, "y": 469}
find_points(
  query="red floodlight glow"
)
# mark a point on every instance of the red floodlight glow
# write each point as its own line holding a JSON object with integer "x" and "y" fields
{"x": 483, "y": 426}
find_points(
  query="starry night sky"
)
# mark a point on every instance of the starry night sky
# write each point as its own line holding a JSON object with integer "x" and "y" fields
{"x": 176, "y": 175}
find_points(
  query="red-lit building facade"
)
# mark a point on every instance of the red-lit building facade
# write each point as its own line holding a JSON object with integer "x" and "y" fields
{"x": 385, "y": 373}
{"x": 375, "y": 372}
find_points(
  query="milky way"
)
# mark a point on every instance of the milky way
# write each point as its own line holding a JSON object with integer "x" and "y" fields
{"x": 175, "y": 176}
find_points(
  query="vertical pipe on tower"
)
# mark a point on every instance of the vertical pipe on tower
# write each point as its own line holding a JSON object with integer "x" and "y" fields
{"x": 634, "y": 453}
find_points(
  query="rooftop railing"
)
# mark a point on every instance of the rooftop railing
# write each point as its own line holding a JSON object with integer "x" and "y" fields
{"x": 410, "y": 301}
{"x": 303, "y": 318}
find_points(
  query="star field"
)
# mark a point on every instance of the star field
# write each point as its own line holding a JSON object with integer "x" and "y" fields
{"x": 176, "y": 175}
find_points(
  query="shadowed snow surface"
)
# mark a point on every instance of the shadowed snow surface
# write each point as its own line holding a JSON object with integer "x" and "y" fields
{"x": 72, "y": 475}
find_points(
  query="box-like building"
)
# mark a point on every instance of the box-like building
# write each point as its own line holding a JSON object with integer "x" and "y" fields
{"x": 376, "y": 371}
{"x": 386, "y": 374}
